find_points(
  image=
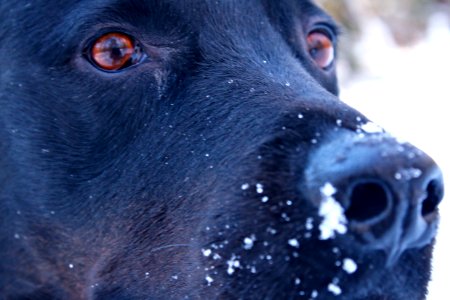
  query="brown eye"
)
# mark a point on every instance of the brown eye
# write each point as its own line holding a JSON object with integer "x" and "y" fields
{"x": 115, "y": 51}
{"x": 321, "y": 49}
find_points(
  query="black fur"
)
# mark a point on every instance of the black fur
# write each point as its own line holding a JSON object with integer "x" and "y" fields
{"x": 118, "y": 185}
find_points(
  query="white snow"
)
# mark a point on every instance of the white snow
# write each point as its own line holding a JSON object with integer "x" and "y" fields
{"x": 408, "y": 174}
{"x": 294, "y": 243}
{"x": 371, "y": 127}
{"x": 232, "y": 263}
{"x": 309, "y": 224}
{"x": 209, "y": 280}
{"x": 271, "y": 230}
{"x": 285, "y": 217}
{"x": 328, "y": 190}
{"x": 333, "y": 214}
{"x": 259, "y": 188}
{"x": 334, "y": 289}
{"x": 245, "y": 186}
{"x": 249, "y": 242}
{"x": 349, "y": 266}
{"x": 206, "y": 252}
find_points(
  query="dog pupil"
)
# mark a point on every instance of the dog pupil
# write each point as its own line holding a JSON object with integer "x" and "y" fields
{"x": 116, "y": 50}
{"x": 116, "y": 53}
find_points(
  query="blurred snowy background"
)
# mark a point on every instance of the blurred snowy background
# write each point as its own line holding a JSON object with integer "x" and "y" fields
{"x": 395, "y": 68}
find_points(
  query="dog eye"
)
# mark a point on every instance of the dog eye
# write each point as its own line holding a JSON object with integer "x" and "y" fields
{"x": 115, "y": 51}
{"x": 321, "y": 48}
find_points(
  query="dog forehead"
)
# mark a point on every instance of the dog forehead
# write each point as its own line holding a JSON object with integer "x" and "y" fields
{"x": 69, "y": 20}
{"x": 193, "y": 11}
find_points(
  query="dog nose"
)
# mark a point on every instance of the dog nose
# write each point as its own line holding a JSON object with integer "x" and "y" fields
{"x": 389, "y": 192}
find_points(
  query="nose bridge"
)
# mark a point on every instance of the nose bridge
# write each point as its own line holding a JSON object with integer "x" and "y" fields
{"x": 372, "y": 157}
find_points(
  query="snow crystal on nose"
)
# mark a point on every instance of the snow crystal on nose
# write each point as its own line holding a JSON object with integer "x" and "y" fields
{"x": 371, "y": 127}
{"x": 408, "y": 174}
{"x": 328, "y": 190}
{"x": 332, "y": 212}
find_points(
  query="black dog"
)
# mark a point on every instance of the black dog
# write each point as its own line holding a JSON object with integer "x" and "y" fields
{"x": 163, "y": 149}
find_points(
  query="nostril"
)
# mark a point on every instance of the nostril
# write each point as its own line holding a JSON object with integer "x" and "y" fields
{"x": 435, "y": 193}
{"x": 368, "y": 200}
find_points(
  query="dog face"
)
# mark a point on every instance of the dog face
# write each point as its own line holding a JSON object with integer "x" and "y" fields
{"x": 198, "y": 149}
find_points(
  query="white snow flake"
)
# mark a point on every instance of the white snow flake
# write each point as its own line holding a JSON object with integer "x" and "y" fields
{"x": 232, "y": 263}
{"x": 334, "y": 289}
{"x": 294, "y": 243}
{"x": 259, "y": 188}
{"x": 328, "y": 190}
{"x": 249, "y": 242}
{"x": 349, "y": 266}
{"x": 206, "y": 252}
{"x": 408, "y": 174}
{"x": 245, "y": 186}
{"x": 309, "y": 224}
{"x": 371, "y": 127}
{"x": 333, "y": 214}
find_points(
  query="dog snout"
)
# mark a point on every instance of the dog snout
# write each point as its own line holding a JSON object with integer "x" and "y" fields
{"x": 389, "y": 191}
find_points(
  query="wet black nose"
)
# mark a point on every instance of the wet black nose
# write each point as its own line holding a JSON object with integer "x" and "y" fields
{"x": 389, "y": 192}
{"x": 372, "y": 199}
